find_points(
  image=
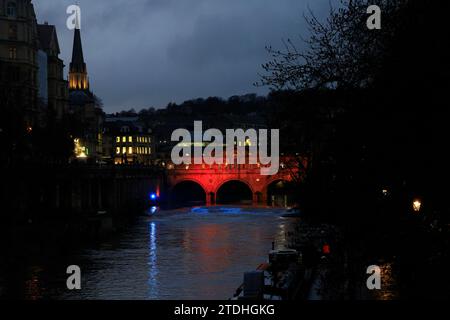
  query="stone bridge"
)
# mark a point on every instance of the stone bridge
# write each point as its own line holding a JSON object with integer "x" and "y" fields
{"x": 212, "y": 179}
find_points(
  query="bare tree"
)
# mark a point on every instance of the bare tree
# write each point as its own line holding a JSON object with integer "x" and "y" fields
{"x": 340, "y": 53}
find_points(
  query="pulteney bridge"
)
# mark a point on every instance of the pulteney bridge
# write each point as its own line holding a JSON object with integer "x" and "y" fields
{"x": 212, "y": 184}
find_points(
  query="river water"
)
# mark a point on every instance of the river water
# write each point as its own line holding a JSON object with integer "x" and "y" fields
{"x": 198, "y": 253}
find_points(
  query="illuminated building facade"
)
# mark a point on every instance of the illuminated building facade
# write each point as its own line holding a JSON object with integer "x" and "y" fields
{"x": 128, "y": 141}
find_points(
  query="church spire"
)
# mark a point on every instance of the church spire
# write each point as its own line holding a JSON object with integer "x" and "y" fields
{"x": 78, "y": 79}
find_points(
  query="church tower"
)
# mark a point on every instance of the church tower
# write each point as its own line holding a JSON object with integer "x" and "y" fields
{"x": 78, "y": 77}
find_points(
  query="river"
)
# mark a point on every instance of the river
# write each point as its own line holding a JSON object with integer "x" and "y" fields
{"x": 187, "y": 254}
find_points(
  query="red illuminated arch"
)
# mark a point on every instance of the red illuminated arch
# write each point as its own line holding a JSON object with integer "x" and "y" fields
{"x": 237, "y": 180}
{"x": 190, "y": 180}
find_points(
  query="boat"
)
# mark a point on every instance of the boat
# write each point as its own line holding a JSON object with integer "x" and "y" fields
{"x": 279, "y": 279}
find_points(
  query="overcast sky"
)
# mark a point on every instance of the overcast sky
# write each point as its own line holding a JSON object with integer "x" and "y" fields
{"x": 143, "y": 53}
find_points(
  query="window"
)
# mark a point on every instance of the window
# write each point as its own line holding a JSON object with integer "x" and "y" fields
{"x": 11, "y": 9}
{"x": 130, "y": 150}
{"x": 130, "y": 139}
{"x": 124, "y": 139}
{"x": 117, "y": 150}
{"x": 124, "y": 150}
{"x": 12, "y": 33}
{"x": 117, "y": 139}
{"x": 13, "y": 53}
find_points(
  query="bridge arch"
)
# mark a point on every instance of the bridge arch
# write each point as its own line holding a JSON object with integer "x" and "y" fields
{"x": 188, "y": 192}
{"x": 234, "y": 191}
{"x": 279, "y": 192}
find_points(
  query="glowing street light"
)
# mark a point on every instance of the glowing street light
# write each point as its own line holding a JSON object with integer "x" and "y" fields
{"x": 417, "y": 204}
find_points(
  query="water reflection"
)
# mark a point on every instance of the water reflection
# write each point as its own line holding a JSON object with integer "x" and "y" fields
{"x": 33, "y": 289}
{"x": 153, "y": 266}
{"x": 179, "y": 254}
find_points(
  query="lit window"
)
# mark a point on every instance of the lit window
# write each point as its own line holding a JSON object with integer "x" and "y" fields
{"x": 130, "y": 150}
{"x": 117, "y": 139}
{"x": 11, "y": 10}
{"x": 130, "y": 139}
{"x": 139, "y": 139}
{"x": 117, "y": 150}
{"x": 124, "y": 139}
{"x": 124, "y": 150}
{"x": 149, "y": 150}
{"x": 149, "y": 140}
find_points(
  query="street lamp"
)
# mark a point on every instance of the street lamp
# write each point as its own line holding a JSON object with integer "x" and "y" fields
{"x": 417, "y": 204}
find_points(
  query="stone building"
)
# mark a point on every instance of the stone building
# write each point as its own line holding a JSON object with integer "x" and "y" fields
{"x": 31, "y": 72}
{"x": 128, "y": 141}
{"x": 57, "y": 86}
{"x": 19, "y": 44}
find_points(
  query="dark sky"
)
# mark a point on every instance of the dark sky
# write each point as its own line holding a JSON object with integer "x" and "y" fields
{"x": 143, "y": 53}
